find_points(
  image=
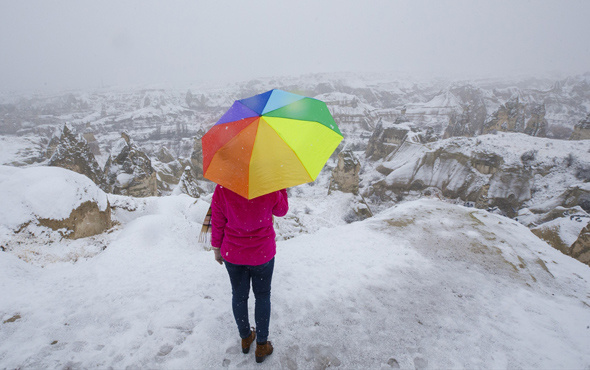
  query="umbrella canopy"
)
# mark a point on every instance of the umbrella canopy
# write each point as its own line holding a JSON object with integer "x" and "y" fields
{"x": 269, "y": 142}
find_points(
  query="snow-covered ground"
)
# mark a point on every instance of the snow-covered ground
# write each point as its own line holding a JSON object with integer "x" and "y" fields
{"x": 19, "y": 150}
{"x": 425, "y": 284}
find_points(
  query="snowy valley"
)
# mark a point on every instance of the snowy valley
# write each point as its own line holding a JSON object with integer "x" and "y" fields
{"x": 449, "y": 230}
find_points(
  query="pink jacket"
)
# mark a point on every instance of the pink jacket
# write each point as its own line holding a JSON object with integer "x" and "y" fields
{"x": 243, "y": 228}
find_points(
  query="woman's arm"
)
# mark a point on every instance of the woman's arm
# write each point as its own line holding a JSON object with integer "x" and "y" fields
{"x": 218, "y": 219}
{"x": 282, "y": 206}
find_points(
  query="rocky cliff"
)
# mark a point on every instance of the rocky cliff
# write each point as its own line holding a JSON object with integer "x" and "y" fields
{"x": 514, "y": 116}
{"x": 74, "y": 154}
{"x": 385, "y": 139}
{"x": 484, "y": 171}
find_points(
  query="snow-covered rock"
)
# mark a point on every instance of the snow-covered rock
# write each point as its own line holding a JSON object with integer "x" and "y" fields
{"x": 39, "y": 198}
{"x": 129, "y": 170}
{"x": 515, "y": 116}
{"x": 386, "y": 139}
{"x": 75, "y": 155}
{"x": 534, "y": 179}
{"x": 580, "y": 249}
{"x": 189, "y": 185}
{"x": 582, "y": 129}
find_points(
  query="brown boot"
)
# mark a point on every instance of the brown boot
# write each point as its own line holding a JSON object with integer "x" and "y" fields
{"x": 246, "y": 342}
{"x": 263, "y": 350}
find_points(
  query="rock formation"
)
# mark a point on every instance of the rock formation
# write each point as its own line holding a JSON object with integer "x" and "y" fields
{"x": 189, "y": 185}
{"x": 515, "y": 116}
{"x": 508, "y": 118}
{"x": 168, "y": 169}
{"x": 164, "y": 155}
{"x": 345, "y": 177}
{"x": 566, "y": 230}
{"x": 74, "y": 154}
{"x": 129, "y": 170}
{"x": 53, "y": 143}
{"x": 580, "y": 250}
{"x": 536, "y": 125}
{"x": 92, "y": 143}
{"x": 471, "y": 117}
{"x": 86, "y": 220}
{"x": 481, "y": 178}
{"x": 582, "y": 129}
{"x": 385, "y": 139}
{"x": 197, "y": 158}
{"x": 359, "y": 210}
{"x": 468, "y": 120}
{"x": 73, "y": 206}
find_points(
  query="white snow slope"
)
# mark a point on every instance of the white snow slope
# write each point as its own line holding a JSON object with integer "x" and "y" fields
{"x": 425, "y": 284}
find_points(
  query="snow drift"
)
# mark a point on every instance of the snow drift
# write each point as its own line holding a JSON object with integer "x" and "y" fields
{"x": 53, "y": 198}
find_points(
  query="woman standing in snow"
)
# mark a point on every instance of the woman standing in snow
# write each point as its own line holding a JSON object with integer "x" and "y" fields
{"x": 243, "y": 236}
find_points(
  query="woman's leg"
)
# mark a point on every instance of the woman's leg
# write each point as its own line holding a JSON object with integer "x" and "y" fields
{"x": 239, "y": 277}
{"x": 261, "y": 280}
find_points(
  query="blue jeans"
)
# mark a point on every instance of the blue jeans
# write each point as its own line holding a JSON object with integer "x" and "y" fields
{"x": 261, "y": 276}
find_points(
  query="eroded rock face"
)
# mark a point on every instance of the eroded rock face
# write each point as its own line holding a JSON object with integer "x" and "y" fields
{"x": 86, "y": 220}
{"x": 536, "y": 125}
{"x": 384, "y": 141}
{"x": 481, "y": 178}
{"x": 469, "y": 121}
{"x": 359, "y": 210}
{"x": 197, "y": 159}
{"x": 75, "y": 155}
{"x": 92, "y": 143}
{"x": 345, "y": 177}
{"x": 50, "y": 197}
{"x": 167, "y": 174}
{"x": 509, "y": 189}
{"x": 508, "y": 118}
{"x": 573, "y": 199}
{"x": 164, "y": 155}
{"x": 189, "y": 185}
{"x": 515, "y": 116}
{"x": 168, "y": 169}
{"x": 129, "y": 170}
{"x": 448, "y": 171}
{"x": 486, "y": 163}
{"x": 580, "y": 250}
{"x": 53, "y": 143}
{"x": 582, "y": 129}
{"x": 569, "y": 233}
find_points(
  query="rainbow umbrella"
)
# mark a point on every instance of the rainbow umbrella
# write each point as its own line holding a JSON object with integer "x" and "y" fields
{"x": 269, "y": 142}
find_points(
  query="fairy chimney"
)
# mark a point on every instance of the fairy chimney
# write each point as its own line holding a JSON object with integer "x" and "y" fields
{"x": 345, "y": 177}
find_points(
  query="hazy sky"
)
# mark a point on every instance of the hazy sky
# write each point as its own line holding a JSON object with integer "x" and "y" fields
{"x": 71, "y": 44}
